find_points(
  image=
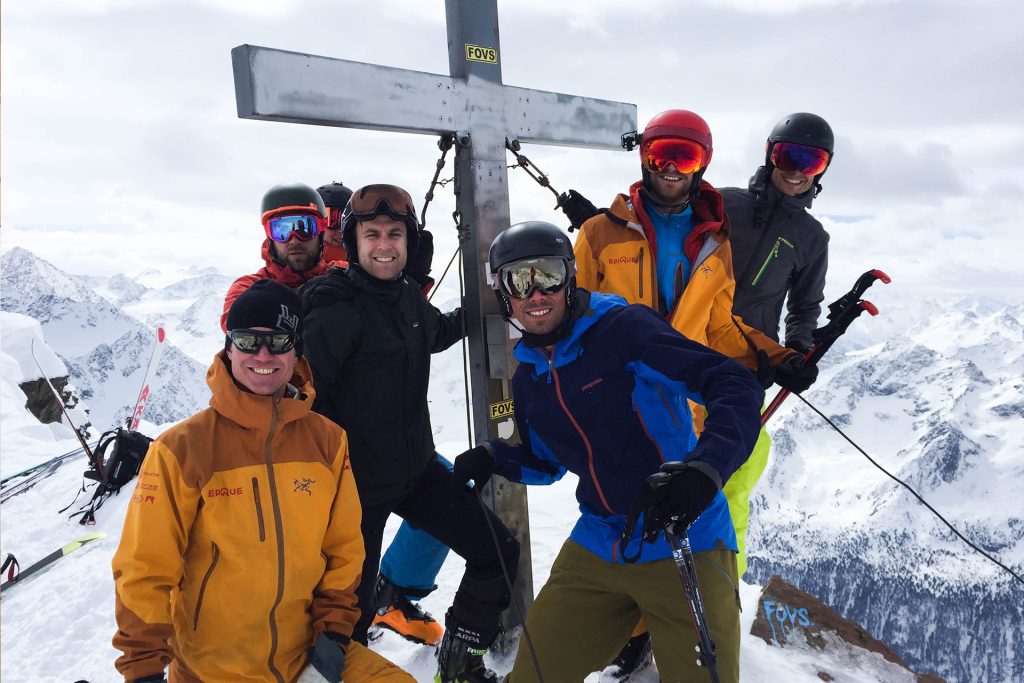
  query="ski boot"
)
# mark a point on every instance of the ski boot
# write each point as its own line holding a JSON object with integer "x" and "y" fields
{"x": 396, "y": 612}
{"x": 634, "y": 657}
{"x": 460, "y": 659}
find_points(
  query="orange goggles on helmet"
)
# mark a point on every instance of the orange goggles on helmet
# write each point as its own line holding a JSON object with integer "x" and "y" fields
{"x": 382, "y": 200}
{"x": 790, "y": 157}
{"x": 686, "y": 155}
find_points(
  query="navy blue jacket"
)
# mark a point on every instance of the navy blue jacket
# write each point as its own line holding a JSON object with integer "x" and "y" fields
{"x": 611, "y": 407}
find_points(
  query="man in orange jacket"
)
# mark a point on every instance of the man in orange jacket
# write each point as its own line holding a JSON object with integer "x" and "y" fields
{"x": 241, "y": 549}
{"x": 665, "y": 244}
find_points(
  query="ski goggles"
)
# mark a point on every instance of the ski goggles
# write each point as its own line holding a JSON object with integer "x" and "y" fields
{"x": 334, "y": 218}
{"x": 382, "y": 200}
{"x": 251, "y": 341}
{"x": 519, "y": 279}
{"x": 282, "y": 228}
{"x": 687, "y": 155}
{"x": 791, "y": 157}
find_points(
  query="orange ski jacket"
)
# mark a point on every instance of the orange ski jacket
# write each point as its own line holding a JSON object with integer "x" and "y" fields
{"x": 242, "y": 540}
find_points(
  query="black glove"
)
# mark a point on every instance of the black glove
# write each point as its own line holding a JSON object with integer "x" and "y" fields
{"x": 418, "y": 268}
{"x": 795, "y": 376}
{"x": 327, "y": 656}
{"x": 325, "y": 290}
{"x": 155, "y": 678}
{"x": 678, "y": 494}
{"x": 578, "y": 208}
{"x": 476, "y": 464}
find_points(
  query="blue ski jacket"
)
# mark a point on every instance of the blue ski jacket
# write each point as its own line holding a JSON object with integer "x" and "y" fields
{"x": 610, "y": 405}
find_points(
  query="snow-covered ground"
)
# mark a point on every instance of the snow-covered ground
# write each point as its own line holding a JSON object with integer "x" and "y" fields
{"x": 57, "y": 626}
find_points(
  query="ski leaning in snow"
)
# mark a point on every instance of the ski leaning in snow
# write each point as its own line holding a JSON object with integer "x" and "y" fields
{"x": 154, "y": 361}
{"x": 64, "y": 550}
{"x": 63, "y": 408}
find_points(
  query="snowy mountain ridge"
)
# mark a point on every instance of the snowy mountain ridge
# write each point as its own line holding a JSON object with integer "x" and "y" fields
{"x": 940, "y": 405}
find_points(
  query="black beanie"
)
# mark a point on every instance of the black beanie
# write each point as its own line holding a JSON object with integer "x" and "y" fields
{"x": 270, "y": 304}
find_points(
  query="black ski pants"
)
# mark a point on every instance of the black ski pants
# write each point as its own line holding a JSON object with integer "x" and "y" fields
{"x": 452, "y": 515}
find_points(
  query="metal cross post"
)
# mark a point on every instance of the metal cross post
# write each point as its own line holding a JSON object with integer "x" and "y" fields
{"x": 474, "y": 105}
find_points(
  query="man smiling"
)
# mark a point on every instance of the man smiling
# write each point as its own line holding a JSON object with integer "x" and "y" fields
{"x": 241, "y": 560}
{"x": 370, "y": 345}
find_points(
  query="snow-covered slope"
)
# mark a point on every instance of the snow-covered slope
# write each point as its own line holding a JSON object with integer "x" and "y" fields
{"x": 939, "y": 404}
{"x": 105, "y": 349}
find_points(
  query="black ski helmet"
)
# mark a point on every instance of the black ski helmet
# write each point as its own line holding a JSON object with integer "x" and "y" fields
{"x": 335, "y": 195}
{"x": 802, "y": 128}
{"x": 291, "y": 197}
{"x": 531, "y": 239}
{"x": 371, "y": 201}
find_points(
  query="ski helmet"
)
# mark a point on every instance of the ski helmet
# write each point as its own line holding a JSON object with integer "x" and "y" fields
{"x": 679, "y": 123}
{"x": 531, "y": 239}
{"x": 292, "y": 197}
{"x": 335, "y": 195}
{"x": 803, "y": 129}
{"x": 371, "y": 201}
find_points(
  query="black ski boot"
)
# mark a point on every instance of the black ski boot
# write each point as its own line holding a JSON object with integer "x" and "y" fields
{"x": 636, "y": 656}
{"x": 460, "y": 659}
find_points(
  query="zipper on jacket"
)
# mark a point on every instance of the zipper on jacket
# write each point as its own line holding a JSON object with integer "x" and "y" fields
{"x": 772, "y": 255}
{"x": 202, "y": 586}
{"x": 279, "y": 531}
{"x": 640, "y": 263}
{"x": 259, "y": 508}
{"x": 586, "y": 441}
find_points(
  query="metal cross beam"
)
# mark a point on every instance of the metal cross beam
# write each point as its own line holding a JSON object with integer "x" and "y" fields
{"x": 474, "y": 105}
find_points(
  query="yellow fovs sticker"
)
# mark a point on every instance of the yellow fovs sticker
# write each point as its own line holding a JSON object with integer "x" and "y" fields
{"x": 477, "y": 53}
{"x": 501, "y": 409}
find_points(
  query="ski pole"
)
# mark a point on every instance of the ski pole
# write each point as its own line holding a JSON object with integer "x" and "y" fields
{"x": 842, "y": 312}
{"x": 683, "y": 557}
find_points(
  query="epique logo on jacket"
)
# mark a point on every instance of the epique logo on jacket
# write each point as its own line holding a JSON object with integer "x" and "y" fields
{"x": 224, "y": 491}
{"x": 623, "y": 259}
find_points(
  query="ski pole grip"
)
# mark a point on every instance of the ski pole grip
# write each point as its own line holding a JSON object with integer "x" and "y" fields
{"x": 881, "y": 276}
{"x": 869, "y": 307}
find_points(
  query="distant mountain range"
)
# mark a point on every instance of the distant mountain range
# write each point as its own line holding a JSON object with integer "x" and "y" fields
{"x": 938, "y": 401}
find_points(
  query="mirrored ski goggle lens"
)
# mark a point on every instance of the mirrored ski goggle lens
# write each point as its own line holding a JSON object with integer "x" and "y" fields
{"x": 334, "y": 218}
{"x": 282, "y": 228}
{"x": 791, "y": 157}
{"x": 687, "y": 155}
{"x": 248, "y": 341}
{"x": 547, "y": 274}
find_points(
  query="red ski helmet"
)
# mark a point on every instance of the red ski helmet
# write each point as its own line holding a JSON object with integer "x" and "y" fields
{"x": 680, "y": 123}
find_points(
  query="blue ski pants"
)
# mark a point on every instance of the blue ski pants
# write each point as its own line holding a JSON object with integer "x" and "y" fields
{"x": 414, "y": 558}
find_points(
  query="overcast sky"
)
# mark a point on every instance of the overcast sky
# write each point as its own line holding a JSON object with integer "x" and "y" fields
{"x": 122, "y": 148}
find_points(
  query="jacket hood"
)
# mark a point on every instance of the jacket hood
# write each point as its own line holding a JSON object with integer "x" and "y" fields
{"x": 760, "y": 187}
{"x": 284, "y": 274}
{"x": 592, "y": 305}
{"x": 708, "y": 217}
{"x": 250, "y": 410}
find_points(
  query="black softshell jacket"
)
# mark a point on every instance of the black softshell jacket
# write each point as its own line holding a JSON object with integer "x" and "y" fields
{"x": 371, "y": 363}
{"x": 777, "y": 247}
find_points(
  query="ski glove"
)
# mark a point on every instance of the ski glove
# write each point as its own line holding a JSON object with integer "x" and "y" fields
{"x": 678, "y": 494}
{"x": 578, "y": 208}
{"x": 476, "y": 464}
{"x": 325, "y": 290}
{"x": 793, "y": 375}
{"x": 418, "y": 268}
{"x": 327, "y": 656}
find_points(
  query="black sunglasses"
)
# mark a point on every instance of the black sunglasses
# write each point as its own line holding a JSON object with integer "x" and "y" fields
{"x": 250, "y": 341}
